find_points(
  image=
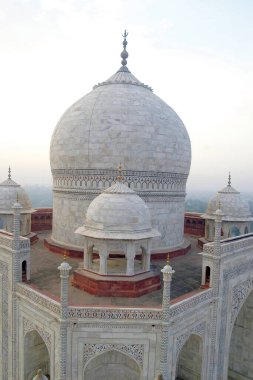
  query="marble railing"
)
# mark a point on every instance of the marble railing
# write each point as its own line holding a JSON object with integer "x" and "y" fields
{"x": 116, "y": 313}
{"x": 6, "y": 240}
{"x": 113, "y": 313}
{"x": 230, "y": 246}
{"x": 189, "y": 303}
{"x": 38, "y": 298}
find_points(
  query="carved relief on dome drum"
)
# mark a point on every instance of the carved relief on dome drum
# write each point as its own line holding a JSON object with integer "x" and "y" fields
{"x": 103, "y": 178}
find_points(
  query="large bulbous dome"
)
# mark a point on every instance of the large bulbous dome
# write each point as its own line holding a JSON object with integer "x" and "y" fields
{"x": 121, "y": 120}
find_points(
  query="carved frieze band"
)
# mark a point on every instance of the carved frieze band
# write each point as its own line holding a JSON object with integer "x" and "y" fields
{"x": 28, "y": 326}
{"x": 103, "y": 178}
{"x": 90, "y": 195}
{"x": 239, "y": 295}
{"x": 197, "y": 330}
{"x": 229, "y": 274}
{"x": 192, "y": 302}
{"x": 115, "y": 314}
{"x": 39, "y": 299}
{"x": 136, "y": 351}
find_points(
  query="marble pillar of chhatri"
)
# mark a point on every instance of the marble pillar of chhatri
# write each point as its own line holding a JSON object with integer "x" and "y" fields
{"x": 121, "y": 119}
{"x": 117, "y": 228}
{"x": 237, "y": 216}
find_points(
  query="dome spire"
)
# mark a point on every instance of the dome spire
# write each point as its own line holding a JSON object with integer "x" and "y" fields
{"x": 229, "y": 179}
{"x": 120, "y": 177}
{"x": 9, "y": 173}
{"x": 124, "y": 53}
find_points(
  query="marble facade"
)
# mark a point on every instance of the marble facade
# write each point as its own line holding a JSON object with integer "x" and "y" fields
{"x": 76, "y": 342}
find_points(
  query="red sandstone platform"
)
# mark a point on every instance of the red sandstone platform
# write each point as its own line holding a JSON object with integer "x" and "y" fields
{"x": 52, "y": 246}
{"x": 115, "y": 285}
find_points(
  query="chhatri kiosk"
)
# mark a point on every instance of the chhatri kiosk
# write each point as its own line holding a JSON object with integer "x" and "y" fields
{"x": 117, "y": 228}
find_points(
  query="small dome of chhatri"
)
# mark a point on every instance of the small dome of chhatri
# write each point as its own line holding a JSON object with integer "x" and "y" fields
{"x": 118, "y": 213}
{"x": 9, "y": 190}
{"x": 229, "y": 200}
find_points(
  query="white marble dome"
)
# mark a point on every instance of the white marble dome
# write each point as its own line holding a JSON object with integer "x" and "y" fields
{"x": 120, "y": 120}
{"x": 118, "y": 213}
{"x": 9, "y": 190}
{"x": 234, "y": 208}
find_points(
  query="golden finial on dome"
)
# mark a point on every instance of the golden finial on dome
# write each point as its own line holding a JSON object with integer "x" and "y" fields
{"x": 229, "y": 179}
{"x": 124, "y": 54}
{"x": 168, "y": 260}
{"x": 9, "y": 173}
{"x": 120, "y": 177}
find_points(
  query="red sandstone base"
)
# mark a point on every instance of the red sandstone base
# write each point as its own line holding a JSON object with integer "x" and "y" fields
{"x": 73, "y": 252}
{"x": 116, "y": 286}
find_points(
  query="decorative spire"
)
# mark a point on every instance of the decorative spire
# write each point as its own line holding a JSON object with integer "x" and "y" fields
{"x": 119, "y": 177}
{"x": 9, "y": 173}
{"x": 124, "y": 54}
{"x": 229, "y": 179}
{"x": 168, "y": 260}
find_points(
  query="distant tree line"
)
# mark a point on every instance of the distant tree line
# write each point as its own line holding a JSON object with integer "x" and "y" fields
{"x": 40, "y": 196}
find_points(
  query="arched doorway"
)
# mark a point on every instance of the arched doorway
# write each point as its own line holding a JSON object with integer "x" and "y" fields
{"x": 207, "y": 276}
{"x": 36, "y": 355}
{"x": 112, "y": 365}
{"x": 189, "y": 363}
{"x": 235, "y": 231}
{"x": 241, "y": 349}
{"x": 24, "y": 270}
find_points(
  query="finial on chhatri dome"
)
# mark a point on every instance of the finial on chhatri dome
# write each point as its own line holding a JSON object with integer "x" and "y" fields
{"x": 229, "y": 179}
{"x": 9, "y": 173}
{"x": 168, "y": 269}
{"x": 17, "y": 197}
{"x": 119, "y": 176}
{"x": 124, "y": 54}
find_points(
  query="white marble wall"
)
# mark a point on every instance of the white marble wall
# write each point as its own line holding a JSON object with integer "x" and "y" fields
{"x": 167, "y": 217}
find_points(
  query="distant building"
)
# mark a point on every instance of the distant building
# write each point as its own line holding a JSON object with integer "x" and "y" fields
{"x": 42, "y": 219}
{"x": 194, "y": 224}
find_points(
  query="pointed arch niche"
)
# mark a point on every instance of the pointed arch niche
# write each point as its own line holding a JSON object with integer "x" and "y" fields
{"x": 189, "y": 362}
{"x": 240, "y": 364}
{"x": 36, "y": 355}
{"x": 112, "y": 365}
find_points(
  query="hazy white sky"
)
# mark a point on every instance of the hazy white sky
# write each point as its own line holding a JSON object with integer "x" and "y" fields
{"x": 197, "y": 55}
